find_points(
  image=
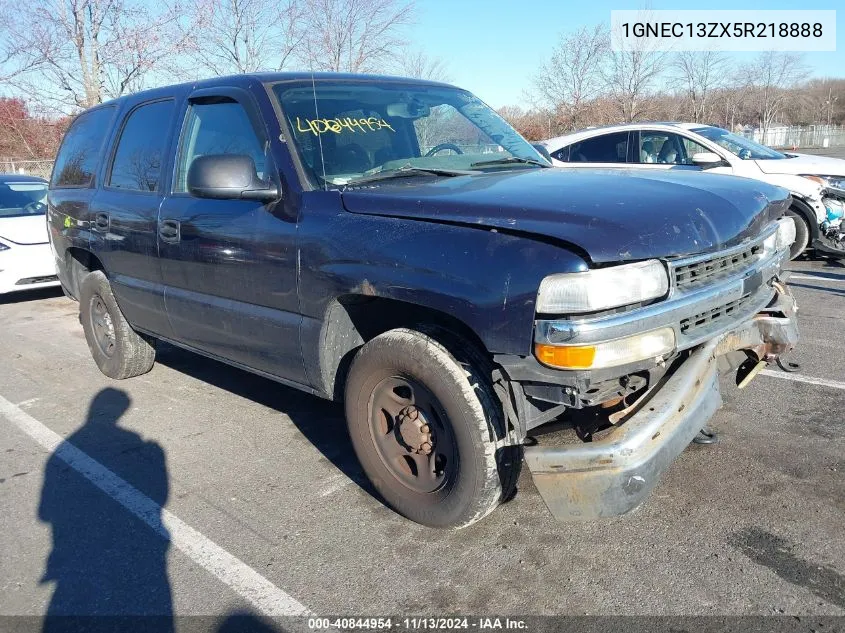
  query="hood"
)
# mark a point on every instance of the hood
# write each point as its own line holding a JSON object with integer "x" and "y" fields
{"x": 803, "y": 164}
{"x": 24, "y": 229}
{"x": 613, "y": 215}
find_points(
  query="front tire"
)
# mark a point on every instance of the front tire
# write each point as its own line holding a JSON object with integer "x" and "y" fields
{"x": 118, "y": 350}
{"x": 428, "y": 429}
{"x": 802, "y": 234}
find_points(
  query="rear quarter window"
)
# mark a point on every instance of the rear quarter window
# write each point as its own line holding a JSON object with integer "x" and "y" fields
{"x": 79, "y": 154}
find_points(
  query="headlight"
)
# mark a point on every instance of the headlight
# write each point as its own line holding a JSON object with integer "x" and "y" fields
{"x": 836, "y": 182}
{"x": 603, "y": 288}
{"x": 610, "y": 354}
{"x": 817, "y": 179}
{"x": 3, "y": 247}
{"x": 782, "y": 238}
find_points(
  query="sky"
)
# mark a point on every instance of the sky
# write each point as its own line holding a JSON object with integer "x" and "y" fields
{"x": 493, "y": 48}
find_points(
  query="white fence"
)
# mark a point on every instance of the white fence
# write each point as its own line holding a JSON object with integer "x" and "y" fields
{"x": 41, "y": 168}
{"x": 796, "y": 137}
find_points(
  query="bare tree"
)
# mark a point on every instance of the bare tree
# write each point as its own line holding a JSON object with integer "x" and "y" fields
{"x": 415, "y": 63}
{"x": 700, "y": 72}
{"x": 353, "y": 35}
{"x": 88, "y": 51}
{"x": 16, "y": 54}
{"x": 630, "y": 74}
{"x": 769, "y": 78}
{"x": 240, "y": 36}
{"x": 572, "y": 77}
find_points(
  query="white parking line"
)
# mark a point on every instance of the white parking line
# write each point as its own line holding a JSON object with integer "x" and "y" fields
{"x": 814, "y": 278}
{"x": 802, "y": 378}
{"x": 240, "y": 577}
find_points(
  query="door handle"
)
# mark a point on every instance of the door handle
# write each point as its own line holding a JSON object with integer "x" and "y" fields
{"x": 101, "y": 222}
{"x": 169, "y": 231}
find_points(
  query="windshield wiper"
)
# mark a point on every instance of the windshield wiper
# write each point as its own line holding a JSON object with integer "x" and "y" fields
{"x": 408, "y": 170}
{"x": 510, "y": 160}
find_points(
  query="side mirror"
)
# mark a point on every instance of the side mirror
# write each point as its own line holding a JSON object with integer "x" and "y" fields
{"x": 229, "y": 177}
{"x": 544, "y": 152}
{"x": 706, "y": 159}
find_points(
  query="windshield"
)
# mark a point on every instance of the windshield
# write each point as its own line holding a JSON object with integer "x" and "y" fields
{"x": 346, "y": 131}
{"x": 744, "y": 148}
{"x": 22, "y": 198}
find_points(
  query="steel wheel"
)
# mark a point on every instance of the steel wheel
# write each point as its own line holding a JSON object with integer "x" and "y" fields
{"x": 411, "y": 434}
{"x": 102, "y": 326}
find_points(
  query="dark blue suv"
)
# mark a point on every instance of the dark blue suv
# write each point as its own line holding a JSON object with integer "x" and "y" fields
{"x": 394, "y": 244}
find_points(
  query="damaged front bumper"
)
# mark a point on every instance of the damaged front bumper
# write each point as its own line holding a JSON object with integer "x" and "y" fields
{"x": 615, "y": 474}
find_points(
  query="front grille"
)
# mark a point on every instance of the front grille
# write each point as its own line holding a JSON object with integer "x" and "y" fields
{"x": 28, "y": 281}
{"x": 695, "y": 274}
{"x": 713, "y": 315}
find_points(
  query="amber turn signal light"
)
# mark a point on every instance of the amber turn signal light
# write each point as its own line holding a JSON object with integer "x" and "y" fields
{"x": 570, "y": 357}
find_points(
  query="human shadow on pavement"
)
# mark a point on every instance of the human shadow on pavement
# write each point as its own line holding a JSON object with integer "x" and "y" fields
{"x": 105, "y": 561}
{"x": 245, "y": 622}
{"x": 321, "y": 422}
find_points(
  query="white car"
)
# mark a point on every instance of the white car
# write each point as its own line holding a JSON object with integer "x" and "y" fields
{"x": 817, "y": 184}
{"x": 26, "y": 261}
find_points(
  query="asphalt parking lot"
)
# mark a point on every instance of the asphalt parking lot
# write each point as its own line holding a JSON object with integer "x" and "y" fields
{"x": 265, "y": 504}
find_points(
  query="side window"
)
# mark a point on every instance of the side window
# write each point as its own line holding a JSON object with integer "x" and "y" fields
{"x": 562, "y": 154}
{"x": 666, "y": 148}
{"x": 140, "y": 150}
{"x": 218, "y": 128}
{"x": 77, "y": 158}
{"x": 609, "y": 148}
{"x": 691, "y": 148}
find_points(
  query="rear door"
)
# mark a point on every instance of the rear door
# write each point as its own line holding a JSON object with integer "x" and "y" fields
{"x": 125, "y": 213}
{"x": 229, "y": 266}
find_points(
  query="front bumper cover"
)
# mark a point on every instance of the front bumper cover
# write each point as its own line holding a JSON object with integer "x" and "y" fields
{"x": 615, "y": 474}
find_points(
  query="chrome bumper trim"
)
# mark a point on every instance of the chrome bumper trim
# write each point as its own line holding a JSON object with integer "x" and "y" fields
{"x": 615, "y": 474}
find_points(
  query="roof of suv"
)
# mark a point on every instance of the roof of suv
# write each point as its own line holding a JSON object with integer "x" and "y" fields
{"x": 560, "y": 141}
{"x": 273, "y": 77}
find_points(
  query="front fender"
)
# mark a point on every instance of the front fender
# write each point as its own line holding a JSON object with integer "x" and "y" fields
{"x": 486, "y": 278}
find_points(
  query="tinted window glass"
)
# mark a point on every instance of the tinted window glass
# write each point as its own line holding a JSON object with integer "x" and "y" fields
{"x": 77, "y": 159}
{"x": 22, "y": 197}
{"x": 218, "y": 128}
{"x": 610, "y": 148}
{"x": 140, "y": 150}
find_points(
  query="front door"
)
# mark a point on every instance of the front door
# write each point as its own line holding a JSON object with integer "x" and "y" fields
{"x": 229, "y": 266}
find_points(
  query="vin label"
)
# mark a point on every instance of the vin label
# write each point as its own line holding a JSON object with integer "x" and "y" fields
{"x": 723, "y": 30}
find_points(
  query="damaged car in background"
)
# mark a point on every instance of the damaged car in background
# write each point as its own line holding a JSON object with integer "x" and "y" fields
{"x": 394, "y": 244}
{"x": 817, "y": 183}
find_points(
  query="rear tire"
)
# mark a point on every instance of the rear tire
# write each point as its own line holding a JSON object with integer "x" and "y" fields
{"x": 428, "y": 428}
{"x": 802, "y": 234}
{"x": 118, "y": 350}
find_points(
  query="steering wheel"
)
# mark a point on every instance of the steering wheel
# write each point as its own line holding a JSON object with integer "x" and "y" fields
{"x": 35, "y": 207}
{"x": 358, "y": 155}
{"x": 444, "y": 146}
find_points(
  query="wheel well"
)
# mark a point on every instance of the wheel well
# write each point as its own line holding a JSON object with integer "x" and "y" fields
{"x": 801, "y": 208}
{"x": 79, "y": 262}
{"x": 352, "y": 320}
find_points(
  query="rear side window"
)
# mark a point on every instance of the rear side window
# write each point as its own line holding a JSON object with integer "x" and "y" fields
{"x": 609, "y": 148}
{"x": 77, "y": 159}
{"x": 140, "y": 150}
{"x": 218, "y": 128}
